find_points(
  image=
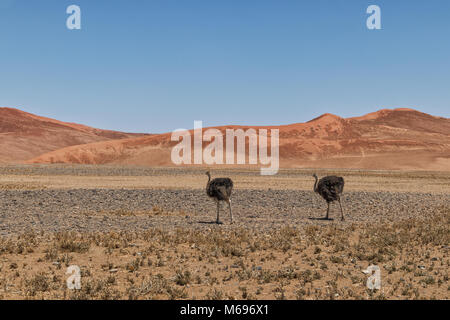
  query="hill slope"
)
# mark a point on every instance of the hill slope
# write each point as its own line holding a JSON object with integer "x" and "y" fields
{"x": 386, "y": 139}
{"x": 24, "y": 135}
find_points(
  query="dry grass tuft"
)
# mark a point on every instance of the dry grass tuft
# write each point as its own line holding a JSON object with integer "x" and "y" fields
{"x": 312, "y": 262}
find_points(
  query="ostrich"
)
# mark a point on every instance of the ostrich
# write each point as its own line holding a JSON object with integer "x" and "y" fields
{"x": 330, "y": 188}
{"x": 220, "y": 190}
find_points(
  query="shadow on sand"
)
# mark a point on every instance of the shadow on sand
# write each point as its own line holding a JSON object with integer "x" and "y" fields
{"x": 321, "y": 219}
{"x": 210, "y": 222}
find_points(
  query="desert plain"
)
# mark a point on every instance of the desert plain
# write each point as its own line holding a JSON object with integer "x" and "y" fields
{"x": 149, "y": 233}
{"x": 112, "y": 204}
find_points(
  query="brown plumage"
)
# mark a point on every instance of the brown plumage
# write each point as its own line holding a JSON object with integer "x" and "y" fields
{"x": 330, "y": 188}
{"x": 220, "y": 190}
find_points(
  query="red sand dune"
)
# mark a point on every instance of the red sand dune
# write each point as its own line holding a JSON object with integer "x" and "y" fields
{"x": 387, "y": 139}
{"x": 24, "y": 136}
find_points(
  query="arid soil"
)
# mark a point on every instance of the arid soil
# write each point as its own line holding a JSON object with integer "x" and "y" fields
{"x": 147, "y": 233}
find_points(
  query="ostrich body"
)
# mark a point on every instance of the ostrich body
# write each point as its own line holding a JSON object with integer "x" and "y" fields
{"x": 330, "y": 188}
{"x": 220, "y": 190}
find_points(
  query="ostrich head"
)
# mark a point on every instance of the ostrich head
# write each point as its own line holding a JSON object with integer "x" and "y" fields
{"x": 314, "y": 175}
{"x": 208, "y": 174}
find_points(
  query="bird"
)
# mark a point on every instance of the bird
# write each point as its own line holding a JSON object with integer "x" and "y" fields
{"x": 220, "y": 190}
{"x": 330, "y": 188}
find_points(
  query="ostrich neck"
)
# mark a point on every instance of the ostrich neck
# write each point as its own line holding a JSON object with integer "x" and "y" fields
{"x": 208, "y": 185}
{"x": 209, "y": 181}
{"x": 315, "y": 184}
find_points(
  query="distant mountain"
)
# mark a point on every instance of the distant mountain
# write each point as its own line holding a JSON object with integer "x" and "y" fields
{"x": 24, "y": 136}
{"x": 386, "y": 139}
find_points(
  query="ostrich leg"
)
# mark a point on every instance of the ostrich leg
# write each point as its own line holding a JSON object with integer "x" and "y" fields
{"x": 218, "y": 205}
{"x": 342, "y": 212}
{"x": 229, "y": 206}
{"x": 328, "y": 210}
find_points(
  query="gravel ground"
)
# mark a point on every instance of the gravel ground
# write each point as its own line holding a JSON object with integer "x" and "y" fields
{"x": 130, "y": 170}
{"x": 87, "y": 210}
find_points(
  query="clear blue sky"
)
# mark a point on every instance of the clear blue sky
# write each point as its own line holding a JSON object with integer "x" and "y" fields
{"x": 158, "y": 65}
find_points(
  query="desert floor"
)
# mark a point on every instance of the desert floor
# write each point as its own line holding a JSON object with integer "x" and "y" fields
{"x": 148, "y": 233}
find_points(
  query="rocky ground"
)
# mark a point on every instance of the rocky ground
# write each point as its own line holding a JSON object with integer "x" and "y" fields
{"x": 137, "y": 210}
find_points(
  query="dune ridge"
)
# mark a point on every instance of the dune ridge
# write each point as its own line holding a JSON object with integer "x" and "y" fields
{"x": 403, "y": 139}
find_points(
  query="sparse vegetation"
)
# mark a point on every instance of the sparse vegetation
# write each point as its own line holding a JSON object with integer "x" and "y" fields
{"x": 225, "y": 264}
{"x": 138, "y": 244}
